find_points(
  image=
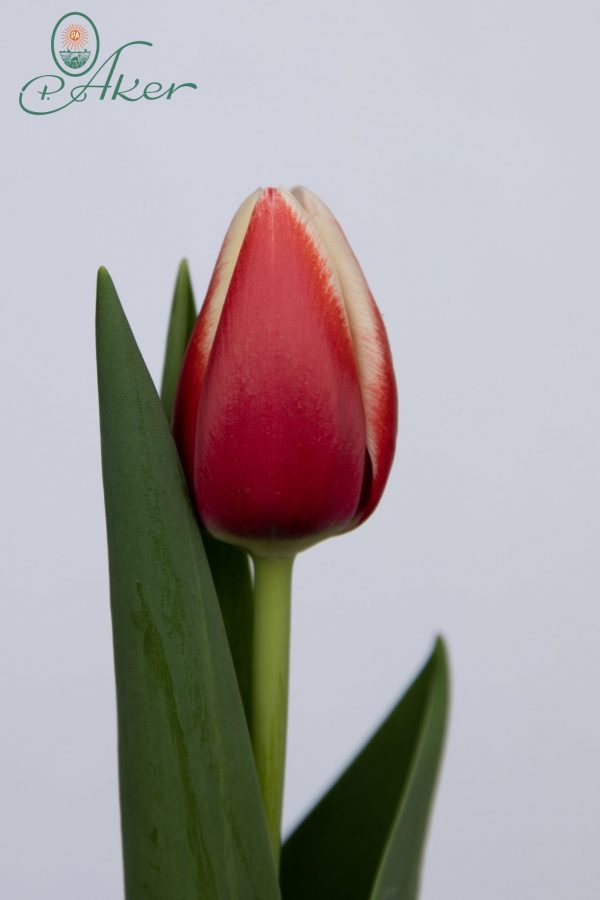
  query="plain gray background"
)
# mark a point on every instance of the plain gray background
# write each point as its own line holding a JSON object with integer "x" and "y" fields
{"x": 459, "y": 145}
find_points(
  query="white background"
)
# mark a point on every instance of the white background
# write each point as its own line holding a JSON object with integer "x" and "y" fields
{"x": 459, "y": 145}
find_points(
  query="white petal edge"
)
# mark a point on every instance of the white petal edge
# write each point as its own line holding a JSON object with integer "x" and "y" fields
{"x": 324, "y": 251}
{"x": 223, "y": 272}
{"x": 372, "y": 356}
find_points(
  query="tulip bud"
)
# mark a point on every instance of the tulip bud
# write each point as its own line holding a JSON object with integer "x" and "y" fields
{"x": 285, "y": 414}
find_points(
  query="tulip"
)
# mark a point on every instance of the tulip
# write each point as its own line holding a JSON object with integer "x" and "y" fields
{"x": 285, "y": 413}
{"x": 285, "y": 418}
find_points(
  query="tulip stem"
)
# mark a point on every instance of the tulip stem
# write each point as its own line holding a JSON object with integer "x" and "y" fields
{"x": 269, "y": 698}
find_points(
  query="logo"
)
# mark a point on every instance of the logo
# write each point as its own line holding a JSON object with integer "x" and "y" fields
{"x": 75, "y": 46}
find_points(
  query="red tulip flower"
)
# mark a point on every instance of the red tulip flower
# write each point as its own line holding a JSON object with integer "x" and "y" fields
{"x": 285, "y": 414}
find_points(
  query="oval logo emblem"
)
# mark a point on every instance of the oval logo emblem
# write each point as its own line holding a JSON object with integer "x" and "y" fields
{"x": 75, "y": 43}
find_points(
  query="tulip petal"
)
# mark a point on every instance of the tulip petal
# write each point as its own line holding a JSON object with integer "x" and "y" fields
{"x": 371, "y": 347}
{"x": 196, "y": 358}
{"x": 281, "y": 429}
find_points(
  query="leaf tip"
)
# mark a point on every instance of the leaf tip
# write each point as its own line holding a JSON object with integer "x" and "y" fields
{"x": 441, "y": 666}
{"x": 440, "y": 647}
{"x": 183, "y": 283}
{"x": 104, "y": 278}
{"x": 184, "y": 305}
{"x": 108, "y": 306}
{"x": 105, "y": 288}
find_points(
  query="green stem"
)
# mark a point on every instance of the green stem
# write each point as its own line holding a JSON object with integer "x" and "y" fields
{"x": 270, "y": 668}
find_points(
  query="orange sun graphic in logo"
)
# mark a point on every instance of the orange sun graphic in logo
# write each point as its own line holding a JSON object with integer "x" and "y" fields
{"x": 74, "y": 37}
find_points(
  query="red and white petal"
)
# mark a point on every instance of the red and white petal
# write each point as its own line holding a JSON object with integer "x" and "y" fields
{"x": 193, "y": 369}
{"x": 281, "y": 432}
{"x": 371, "y": 349}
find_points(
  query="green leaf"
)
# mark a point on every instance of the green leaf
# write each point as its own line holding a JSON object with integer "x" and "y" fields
{"x": 192, "y": 820}
{"x": 181, "y": 324}
{"x": 230, "y": 567}
{"x": 366, "y": 836}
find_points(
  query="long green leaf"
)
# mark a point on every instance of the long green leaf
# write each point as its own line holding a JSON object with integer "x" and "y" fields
{"x": 229, "y": 566}
{"x": 192, "y": 821}
{"x": 365, "y": 838}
